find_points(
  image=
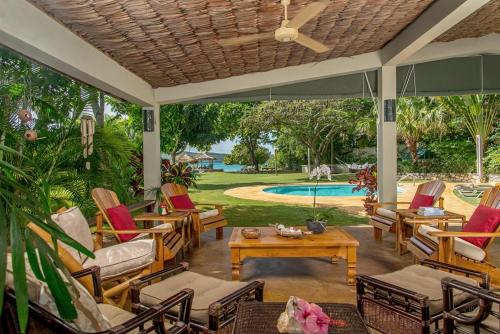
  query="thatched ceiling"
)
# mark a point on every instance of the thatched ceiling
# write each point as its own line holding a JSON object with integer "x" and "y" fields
{"x": 173, "y": 42}
{"x": 484, "y": 21}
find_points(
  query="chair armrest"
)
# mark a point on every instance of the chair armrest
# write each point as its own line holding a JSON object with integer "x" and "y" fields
{"x": 484, "y": 277}
{"x": 449, "y": 234}
{"x": 188, "y": 210}
{"x": 151, "y": 230}
{"x": 157, "y": 314}
{"x": 392, "y": 203}
{"x": 484, "y": 301}
{"x": 211, "y": 204}
{"x": 151, "y": 216}
{"x": 433, "y": 221}
{"x": 95, "y": 272}
{"x": 138, "y": 284}
{"x": 223, "y": 311}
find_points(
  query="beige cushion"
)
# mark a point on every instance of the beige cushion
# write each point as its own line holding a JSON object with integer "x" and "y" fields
{"x": 426, "y": 281}
{"x": 386, "y": 213}
{"x": 146, "y": 235}
{"x": 117, "y": 316}
{"x": 462, "y": 247}
{"x": 89, "y": 318}
{"x": 207, "y": 290}
{"x": 209, "y": 213}
{"x": 123, "y": 258}
{"x": 76, "y": 226}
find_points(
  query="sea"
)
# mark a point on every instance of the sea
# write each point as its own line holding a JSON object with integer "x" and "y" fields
{"x": 226, "y": 168}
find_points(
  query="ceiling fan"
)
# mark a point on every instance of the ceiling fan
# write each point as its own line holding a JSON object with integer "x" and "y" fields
{"x": 289, "y": 30}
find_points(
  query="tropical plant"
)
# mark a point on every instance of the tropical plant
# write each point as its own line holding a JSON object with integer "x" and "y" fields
{"x": 317, "y": 173}
{"x": 21, "y": 203}
{"x": 480, "y": 115}
{"x": 366, "y": 180}
{"x": 418, "y": 117}
{"x": 179, "y": 173}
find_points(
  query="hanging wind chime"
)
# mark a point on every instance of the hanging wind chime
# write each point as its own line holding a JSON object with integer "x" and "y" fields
{"x": 26, "y": 118}
{"x": 87, "y": 127}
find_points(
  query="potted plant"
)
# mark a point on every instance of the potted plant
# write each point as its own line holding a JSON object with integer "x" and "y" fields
{"x": 317, "y": 223}
{"x": 366, "y": 179}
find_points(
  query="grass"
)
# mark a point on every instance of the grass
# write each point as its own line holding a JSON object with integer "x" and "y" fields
{"x": 242, "y": 212}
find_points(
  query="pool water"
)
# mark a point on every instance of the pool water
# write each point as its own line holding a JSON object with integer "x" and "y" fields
{"x": 322, "y": 190}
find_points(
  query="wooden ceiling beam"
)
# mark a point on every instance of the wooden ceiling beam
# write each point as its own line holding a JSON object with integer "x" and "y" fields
{"x": 434, "y": 21}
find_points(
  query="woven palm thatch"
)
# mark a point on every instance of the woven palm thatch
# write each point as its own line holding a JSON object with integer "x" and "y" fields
{"x": 484, "y": 21}
{"x": 185, "y": 158}
{"x": 174, "y": 42}
{"x": 204, "y": 156}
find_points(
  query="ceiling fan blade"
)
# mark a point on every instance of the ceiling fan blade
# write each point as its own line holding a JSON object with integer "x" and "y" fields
{"x": 312, "y": 44}
{"x": 308, "y": 13}
{"x": 245, "y": 39}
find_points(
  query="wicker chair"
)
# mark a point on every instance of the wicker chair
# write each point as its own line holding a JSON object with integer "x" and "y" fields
{"x": 447, "y": 246}
{"x": 114, "y": 320}
{"x": 410, "y": 301}
{"x": 203, "y": 221}
{"x": 485, "y": 318}
{"x": 383, "y": 216}
{"x": 215, "y": 302}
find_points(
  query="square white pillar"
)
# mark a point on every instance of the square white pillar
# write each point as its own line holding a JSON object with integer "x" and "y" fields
{"x": 387, "y": 149}
{"x": 151, "y": 151}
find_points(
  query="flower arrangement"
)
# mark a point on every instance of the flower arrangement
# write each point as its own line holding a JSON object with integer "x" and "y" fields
{"x": 317, "y": 173}
{"x": 179, "y": 173}
{"x": 366, "y": 179}
{"x": 307, "y": 318}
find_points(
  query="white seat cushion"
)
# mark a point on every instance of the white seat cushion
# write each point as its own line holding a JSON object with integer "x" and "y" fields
{"x": 207, "y": 290}
{"x": 117, "y": 316}
{"x": 76, "y": 226}
{"x": 123, "y": 258}
{"x": 386, "y": 213}
{"x": 209, "y": 213}
{"x": 462, "y": 247}
{"x": 146, "y": 235}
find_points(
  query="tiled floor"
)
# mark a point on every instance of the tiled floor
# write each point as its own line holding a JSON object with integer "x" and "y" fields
{"x": 314, "y": 279}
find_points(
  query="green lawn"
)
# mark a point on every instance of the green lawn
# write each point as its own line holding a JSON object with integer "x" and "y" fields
{"x": 242, "y": 212}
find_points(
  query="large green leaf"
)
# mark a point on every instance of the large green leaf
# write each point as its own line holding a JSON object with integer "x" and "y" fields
{"x": 20, "y": 284}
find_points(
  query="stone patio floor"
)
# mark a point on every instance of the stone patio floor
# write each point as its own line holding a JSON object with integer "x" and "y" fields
{"x": 314, "y": 279}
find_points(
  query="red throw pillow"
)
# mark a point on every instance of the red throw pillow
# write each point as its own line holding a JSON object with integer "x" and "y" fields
{"x": 420, "y": 200}
{"x": 182, "y": 202}
{"x": 484, "y": 219}
{"x": 121, "y": 219}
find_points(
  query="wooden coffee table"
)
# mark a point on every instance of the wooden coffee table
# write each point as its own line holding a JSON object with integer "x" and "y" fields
{"x": 334, "y": 243}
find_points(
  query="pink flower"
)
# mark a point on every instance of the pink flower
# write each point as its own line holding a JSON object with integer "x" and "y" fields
{"x": 312, "y": 319}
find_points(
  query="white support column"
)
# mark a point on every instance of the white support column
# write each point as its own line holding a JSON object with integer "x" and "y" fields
{"x": 152, "y": 154}
{"x": 387, "y": 150}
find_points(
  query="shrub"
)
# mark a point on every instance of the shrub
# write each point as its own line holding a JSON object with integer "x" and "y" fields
{"x": 452, "y": 157}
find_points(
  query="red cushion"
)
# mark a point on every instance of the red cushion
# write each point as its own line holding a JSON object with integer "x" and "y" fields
{"x": 484, "y": 219}
{"x": 420, "y": 200}
{"x": 121, "y": 219}
{"x": 182, "y": 202}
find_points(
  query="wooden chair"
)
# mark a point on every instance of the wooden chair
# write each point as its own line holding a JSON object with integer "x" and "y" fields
{"x": 448, "y": 247}
{"x": 106, "y": 319}
{"x": 384, "y": 215}
{"x": 460, "y": 319}
{"x": 172, "y": 241}
{"x": 120, "y": 264}
{"x": 202, "y": 221}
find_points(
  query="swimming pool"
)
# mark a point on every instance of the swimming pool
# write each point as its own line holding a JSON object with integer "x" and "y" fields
{"x": 323, "y": 190}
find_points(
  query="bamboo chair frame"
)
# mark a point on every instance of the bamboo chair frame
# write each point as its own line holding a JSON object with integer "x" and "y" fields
{"x": 435, "y": 188}
{"x": 199, "y": 225}
{"x": 168, "y": 241}
{"x": 444, "y": 251}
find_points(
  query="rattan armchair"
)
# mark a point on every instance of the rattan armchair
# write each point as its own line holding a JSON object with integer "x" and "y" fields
{"x": 214, "y": 306}
{"x": 400, "y": 309}
{"x": 485, "y": 316}
{"x": 120, "y": 321}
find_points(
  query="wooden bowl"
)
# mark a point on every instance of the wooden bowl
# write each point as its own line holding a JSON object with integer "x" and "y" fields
{"x": 250, "y": 233}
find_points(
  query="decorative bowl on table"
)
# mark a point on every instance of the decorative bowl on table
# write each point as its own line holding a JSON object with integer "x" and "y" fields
{"x": 289, "y": 232}
{"x": 250, "y": 233}
{"x": 316, "y": 226}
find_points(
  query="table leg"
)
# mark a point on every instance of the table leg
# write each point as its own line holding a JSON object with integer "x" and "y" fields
{"x": 235, "y": 264}
{"x": 399, "y": 228}
{"x": 351, "y": 265}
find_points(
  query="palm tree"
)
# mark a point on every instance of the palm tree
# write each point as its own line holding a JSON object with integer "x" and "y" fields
{"x": 480, "y": 114}
{"x": 418, "y": 117}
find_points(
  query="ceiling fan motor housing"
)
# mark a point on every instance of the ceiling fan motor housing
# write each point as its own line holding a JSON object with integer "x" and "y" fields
{"x": 285, "y": 34}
